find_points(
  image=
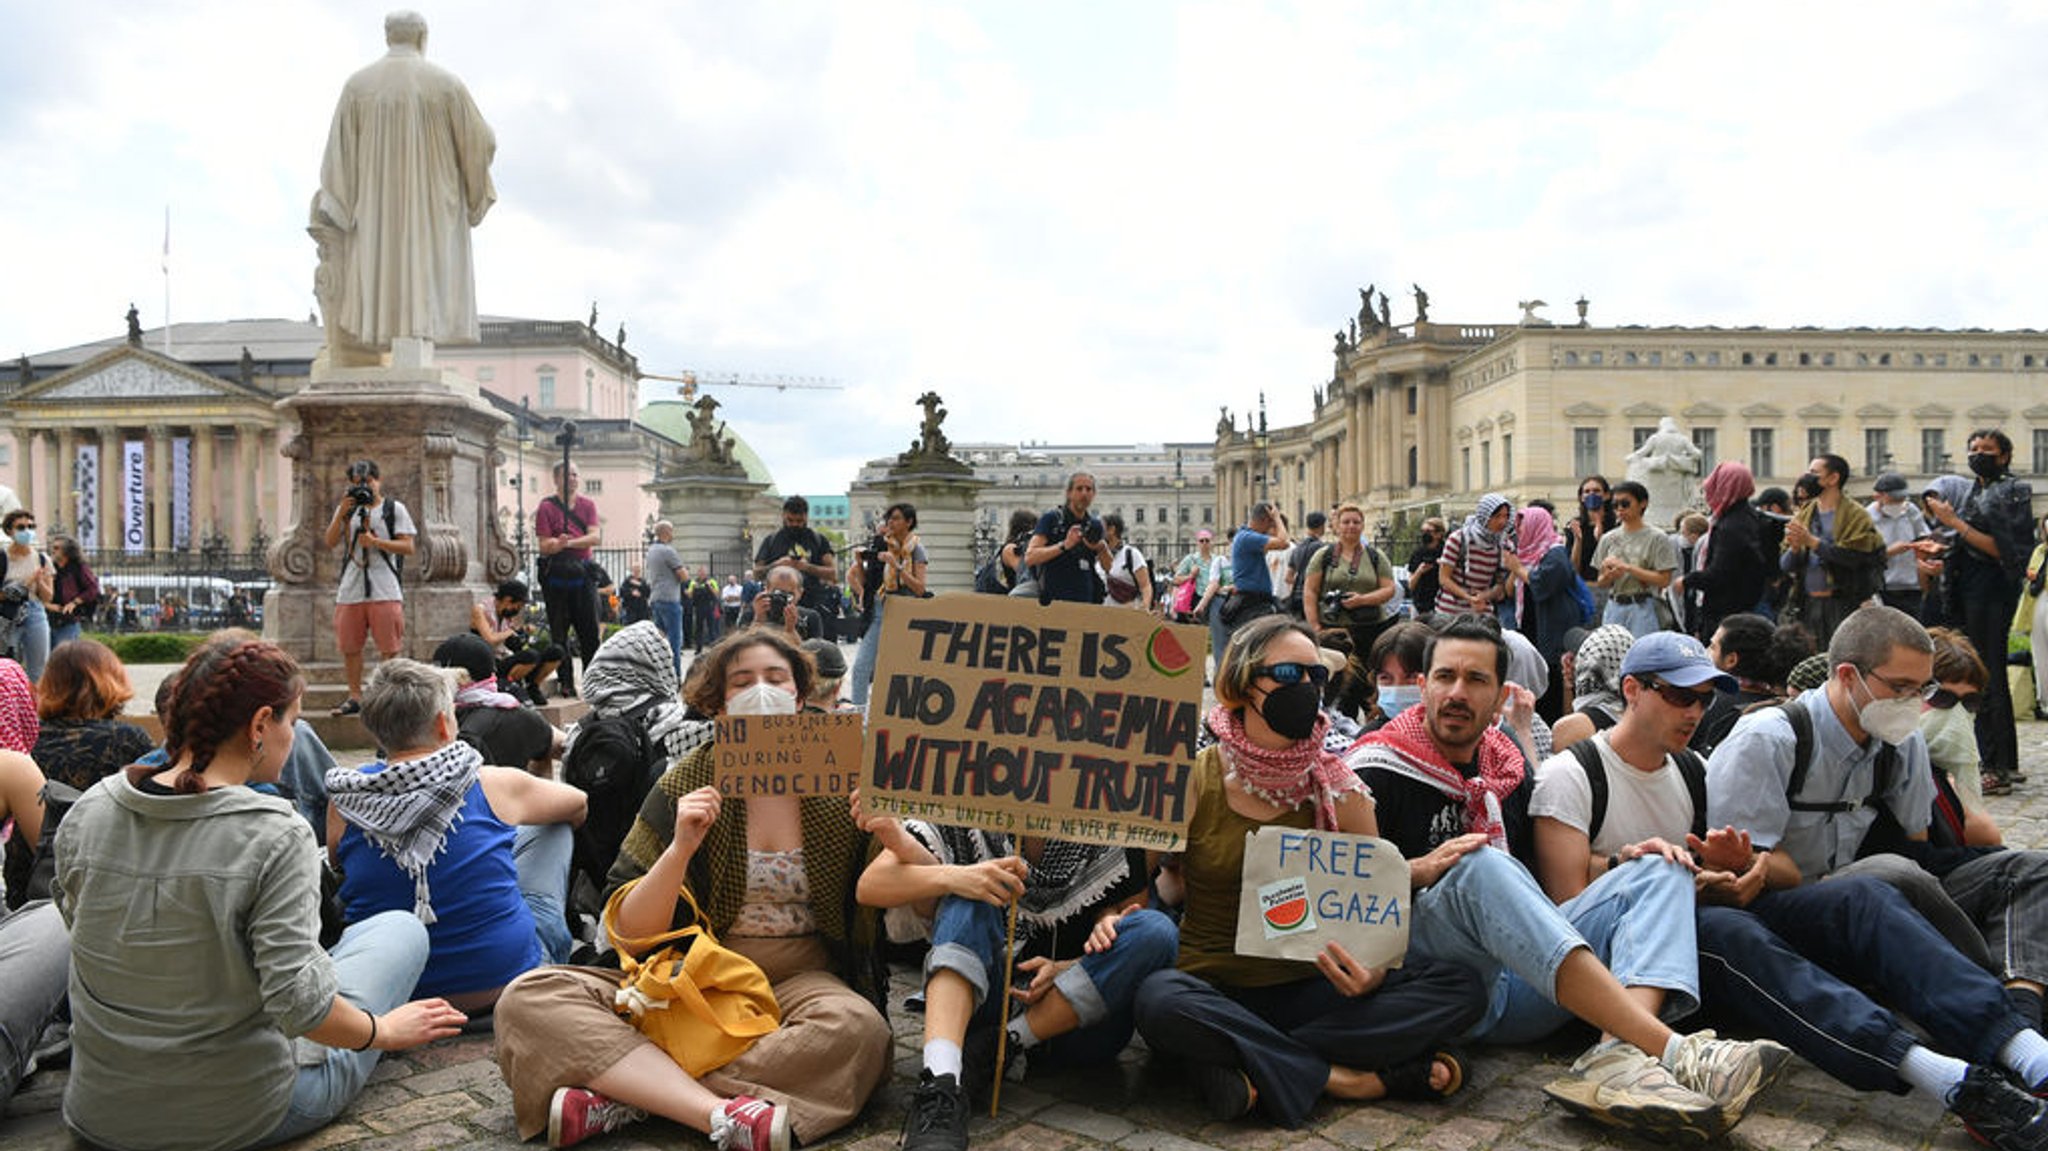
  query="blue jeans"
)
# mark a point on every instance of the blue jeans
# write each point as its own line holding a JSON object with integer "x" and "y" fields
{"x": 1785, "y": 966}
{"x": 967, "y": 938}
{"x": 1488, "y": 913}
{"x": 864, "y": 659}
{"x": 32, "y": 639}
{"x": 1640, "y": 617}
{"x": 64, "y": 633}
{"x": 35, "y": 967}
{"x": 1219, "y": 636}
{"x": 540, "y": 854}
{"x": 378, "y": 961}
{"x": 305, "y": 773}
{"x": 669, "y": 618}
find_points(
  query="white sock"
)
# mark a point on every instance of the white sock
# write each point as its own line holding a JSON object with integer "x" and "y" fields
{"x": 1932, "y": 1073}
{"x": 2027, "y": 1054}
{"x": 1669, "y": 1058}
{"x": 942, "y": 1057}
{"x": 1021, "y": 1035}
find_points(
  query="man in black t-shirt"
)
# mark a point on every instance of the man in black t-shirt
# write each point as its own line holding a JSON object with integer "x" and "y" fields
{"x": 1298, "y": 560}
{"x": 795, "y": 545}
{"x": 1067, "y": 544}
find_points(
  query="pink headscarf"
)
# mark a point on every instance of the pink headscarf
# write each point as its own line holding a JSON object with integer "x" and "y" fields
{"x": 1537, "y": 536}
{"x": 19, "y": 726}
{"x": 1729, "y": 483}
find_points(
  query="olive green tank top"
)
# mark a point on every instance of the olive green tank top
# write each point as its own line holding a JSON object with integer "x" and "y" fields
{"x": 1212, "y": 869}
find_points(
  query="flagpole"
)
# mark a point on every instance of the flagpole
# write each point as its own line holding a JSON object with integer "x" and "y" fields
{"x": 167, "y": 280}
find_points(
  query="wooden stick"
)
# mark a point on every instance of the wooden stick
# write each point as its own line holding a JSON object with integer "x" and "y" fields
{"x": 995, "y": 1094}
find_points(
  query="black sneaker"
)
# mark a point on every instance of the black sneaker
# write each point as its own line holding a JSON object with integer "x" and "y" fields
{"x": 1226, "y": 1092}
{"x": 1997, "y": 1113}
{"x": 938, "y": 1115}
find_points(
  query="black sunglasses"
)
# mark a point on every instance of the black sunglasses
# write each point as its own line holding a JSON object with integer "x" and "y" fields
{"x": 1680, "y": 697}
{"x": 1944, "y": 698}
{"x": 1289, "y": 674}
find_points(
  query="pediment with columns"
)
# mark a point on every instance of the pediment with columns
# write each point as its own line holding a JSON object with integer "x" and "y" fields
{"x": 132, "y": 374}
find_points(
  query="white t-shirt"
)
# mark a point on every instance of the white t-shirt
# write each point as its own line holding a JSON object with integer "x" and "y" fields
{"x": 383, "y": 575}
{"x": 1640, "y": 804}
{"x": 1125, "y": 561}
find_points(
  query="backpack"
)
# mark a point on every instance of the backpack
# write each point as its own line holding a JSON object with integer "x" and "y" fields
{"x": 1691, "y": 768}
{"x": 988, "y": 578}
{"x": 1802, "y": 758}
{"x": 614, "y": 762}
{"x": 30, "y": 875}
{"x": 1584, "y": 597}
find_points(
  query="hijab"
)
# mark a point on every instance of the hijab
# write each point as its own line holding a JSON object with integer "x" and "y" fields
{"x": 1729, "y": 484}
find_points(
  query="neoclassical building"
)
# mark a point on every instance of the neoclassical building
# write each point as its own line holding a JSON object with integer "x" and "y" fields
{"x": 1423, "y": 418}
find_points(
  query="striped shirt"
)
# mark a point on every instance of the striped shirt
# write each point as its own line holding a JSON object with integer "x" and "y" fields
{"x": 1475, "y": 568}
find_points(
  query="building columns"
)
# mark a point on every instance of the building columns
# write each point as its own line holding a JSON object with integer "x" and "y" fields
{"x": 63, "y": 501}
{"x": 247, "y": 510}
{"x": 158, "y": 449}
{"x": 109, "y": 512}
{"x": 204, "y": 494}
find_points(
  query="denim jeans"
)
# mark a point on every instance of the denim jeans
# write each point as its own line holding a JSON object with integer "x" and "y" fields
{"x": 64, "y": 633}
{"x": 540, "y": 854}
{"x": 967, "y": 938}
{"x": 379, "y": 962}
{"x": 32, "y": 638}
{"x": 2005, "y": 894}
{"x": 864, "y": 659}
{"x": 1987, "y": 600}
{"x": 305, "y": 773}
{"x": 35, "y": 967}
{"x": 669, "y": 618}
{"x": 1488, "y": 913}
{"x": 1640, "y": 617}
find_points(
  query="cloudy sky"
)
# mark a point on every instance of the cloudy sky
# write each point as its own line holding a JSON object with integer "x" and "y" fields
{"x": 1093, "y": 221}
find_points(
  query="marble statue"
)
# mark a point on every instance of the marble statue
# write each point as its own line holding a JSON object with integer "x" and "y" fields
{"x": 1225, "y": 426}
{"x": 1668, "y": 465}
{"x": 1421, "y": 304}
{"x": 134, "y": 326}
{"x": 1365, "y": 316}
{"x": 1529, "y": 317}
{"x": 1386, "y": 313}
{"x": 931, "y": 441}
{"x": 405, "y": 177}
{"x": 1343, "y": 345}
{"x": 707, "y": 443}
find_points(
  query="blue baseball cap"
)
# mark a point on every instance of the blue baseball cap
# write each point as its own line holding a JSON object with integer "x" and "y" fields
{"x": 1676, "y": 659}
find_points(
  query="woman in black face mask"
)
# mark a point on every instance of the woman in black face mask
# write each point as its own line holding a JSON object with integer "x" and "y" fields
{"x": 1270, "y": 1033}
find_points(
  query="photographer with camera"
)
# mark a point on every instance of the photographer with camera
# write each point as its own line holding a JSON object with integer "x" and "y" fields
{"x": 1067, "y": 545}
{"x": 369, "y": 602}
{"x": 892, "y": 564}
{"x": 795, "y": 545}
{"x": 780, "y": 605}
{"x": 25, "y": 594}
{"x": 501, "y": 622}
{"x": 567, "y": 526}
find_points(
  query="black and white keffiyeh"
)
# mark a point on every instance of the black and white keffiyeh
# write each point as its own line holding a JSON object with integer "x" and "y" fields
{"x": 407, "y": 809}
{"x": 633, "y": 669}
{"x": 1068, "y": 879}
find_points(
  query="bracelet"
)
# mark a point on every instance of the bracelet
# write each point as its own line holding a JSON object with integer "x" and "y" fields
{"x": 367, "y": 1043}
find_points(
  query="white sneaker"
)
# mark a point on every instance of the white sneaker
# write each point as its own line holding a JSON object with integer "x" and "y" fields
{"x": 1619, "y": 1085}
{"x": 1728, "y": 1071}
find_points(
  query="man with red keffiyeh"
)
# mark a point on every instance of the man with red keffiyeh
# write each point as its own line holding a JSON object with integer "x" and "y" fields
{"x": 1452, "y": 791}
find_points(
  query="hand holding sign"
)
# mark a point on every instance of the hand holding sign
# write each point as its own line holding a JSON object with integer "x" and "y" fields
{"x": 1350, "y": 977}
{"x": 1338, "y": 900}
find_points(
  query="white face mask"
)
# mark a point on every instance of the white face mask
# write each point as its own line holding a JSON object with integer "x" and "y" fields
{"x": 1891, "y": 510}
{"x": 762, "y": 699}
{"x": 1890, "y": 720}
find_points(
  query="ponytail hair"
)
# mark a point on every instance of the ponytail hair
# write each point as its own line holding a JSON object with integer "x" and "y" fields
{"x": 218, "y": 691}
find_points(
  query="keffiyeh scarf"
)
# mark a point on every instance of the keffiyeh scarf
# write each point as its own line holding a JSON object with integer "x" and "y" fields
{"x": 1403, "y": 747}
{"x": 1475, "y": 525}
{"x": 1596, "y": 670}
{"x": 633, "y": 669}
{"x": 407, "y": 809}
{"x": 1288, "y": 777}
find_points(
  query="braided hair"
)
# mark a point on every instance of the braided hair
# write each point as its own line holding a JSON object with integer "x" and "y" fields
{"x": 218, "y": 691}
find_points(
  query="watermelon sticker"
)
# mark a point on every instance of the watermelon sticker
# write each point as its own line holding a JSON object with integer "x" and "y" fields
{"x": 1283, "y": 904}
{"x": 1165, "y": 653}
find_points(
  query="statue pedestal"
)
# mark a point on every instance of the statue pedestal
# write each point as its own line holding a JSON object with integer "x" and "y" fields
{"x": 710, "y": 516}
{"x": 434, "y": 439}
{"x": 944, "y": 500}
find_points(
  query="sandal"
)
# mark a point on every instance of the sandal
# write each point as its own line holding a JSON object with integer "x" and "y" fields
{"x": 1410, "y": 1080}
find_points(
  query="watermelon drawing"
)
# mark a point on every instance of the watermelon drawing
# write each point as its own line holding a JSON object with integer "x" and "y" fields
{"x": 1283, "y": 904}
{"x": 1165, "y": 653}
{"x": 1289, "y": 915}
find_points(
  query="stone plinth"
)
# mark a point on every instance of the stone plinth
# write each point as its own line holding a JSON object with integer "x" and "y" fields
{"x": 945, "y": 521}
{"x": 709, "y": 512}
{"x": 435, "y": 442}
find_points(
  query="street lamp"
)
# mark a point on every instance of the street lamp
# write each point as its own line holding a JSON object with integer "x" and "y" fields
{"x": 519, "y": 481}
{"x": 1180, "y": 483}
{"x": 1260, "y": 441}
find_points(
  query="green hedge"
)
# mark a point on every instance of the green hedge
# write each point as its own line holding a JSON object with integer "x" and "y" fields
{"x": 152, "y": 646}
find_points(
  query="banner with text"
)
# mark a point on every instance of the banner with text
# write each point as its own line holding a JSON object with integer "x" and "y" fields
{"x": 181, "y": 492}
{"x": 134, "y": 499}
{"x": 1303, "y": 889}
{"x": 809, "y": 753}
{"x": 85, "y": 484}
{"x": 1067, "y": 721}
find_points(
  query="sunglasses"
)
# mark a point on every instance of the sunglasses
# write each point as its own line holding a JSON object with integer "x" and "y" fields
{"x": 1623, "y": 505}
{"x": 1289, "y": 674}
{"x": 1680, "y": 697}
{"x": 1944, "y": 698}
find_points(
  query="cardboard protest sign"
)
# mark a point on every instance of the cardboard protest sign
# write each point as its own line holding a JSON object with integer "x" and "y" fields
{"x": 1067, "y": 721}
{"x": 1303, "y": 889}
{"x": 809, "y": 753}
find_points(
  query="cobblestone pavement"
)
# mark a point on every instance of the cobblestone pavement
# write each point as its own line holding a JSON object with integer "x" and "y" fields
{"x": 449, "y": 1095}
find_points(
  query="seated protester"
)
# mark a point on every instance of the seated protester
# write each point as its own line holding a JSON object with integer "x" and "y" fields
{"x": 21, "y": 801}
{"x": 774, "y": 877}
{"x": 951, "y": 884}
{"x": 1448, "y": 787}
{"x": 1529, "y": 672}
{"x": 1786, "y": 963}
{"x": 629, "y": 675}
{"x": 1399, "y": 657}
{"x": 35, "y": 966}
{"x": 800, "y": 622}
{"x": 195, "y": 995}
{"x": 79, "y": 701}
{"x": 1948, "y": 724}
{"x": 1271, "y": 1034}
{"x": 1396, "y": 664}
{"x": 501, "y": 622}
{"x": 1758, "y": 654}
{"x": 831, "y": 665}
{"x": 479, "y": 853}
{"x": 507, "y": 731}
{"x": 1596, "y": 685}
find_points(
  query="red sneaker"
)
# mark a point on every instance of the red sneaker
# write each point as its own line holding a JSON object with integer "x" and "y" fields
{"x": 578, "y": 1113}
{"x": 749, "y": 1124}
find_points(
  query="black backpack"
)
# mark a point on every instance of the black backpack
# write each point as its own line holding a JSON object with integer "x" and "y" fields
{"x": 988, "y": 578}
{"x": 614, "y": 762}
{"x": 30, "y": 875}
{"x": 1690, "y": 766}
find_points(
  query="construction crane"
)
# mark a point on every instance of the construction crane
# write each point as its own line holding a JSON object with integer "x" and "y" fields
{"x": 692, "y": 379}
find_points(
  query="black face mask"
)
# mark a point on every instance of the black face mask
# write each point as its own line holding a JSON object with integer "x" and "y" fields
{"x": 1291, "y": 711}
{"x": 1985, "y": 464}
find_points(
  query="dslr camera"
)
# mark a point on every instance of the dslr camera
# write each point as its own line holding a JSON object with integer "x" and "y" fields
{"x": 778, "y": 604}
{"x": 1333, "y": 602}
{"x": 359, "y": 492}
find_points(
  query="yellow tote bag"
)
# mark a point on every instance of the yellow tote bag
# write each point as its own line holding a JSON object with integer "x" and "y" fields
{"x": 694, "y": 998}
